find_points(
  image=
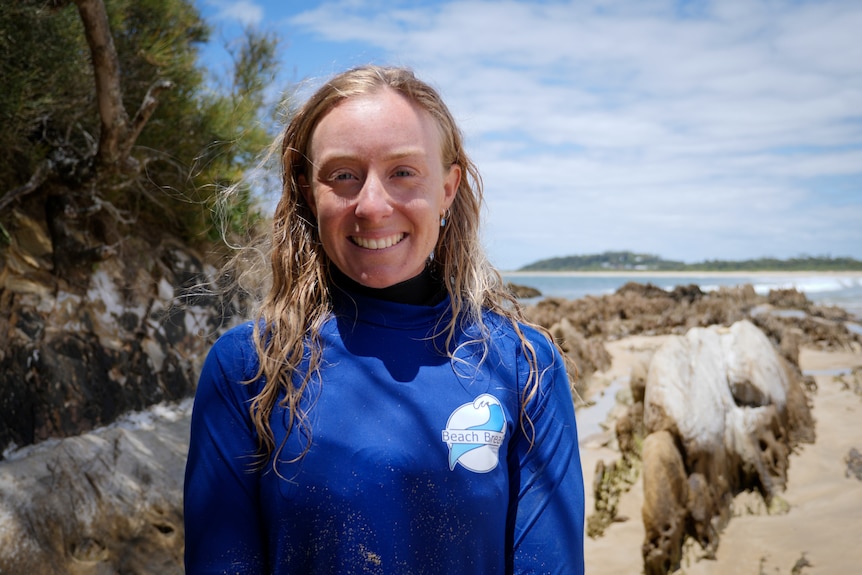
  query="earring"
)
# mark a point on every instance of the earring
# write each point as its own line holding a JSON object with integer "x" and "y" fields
{"x": 444, "y": 217}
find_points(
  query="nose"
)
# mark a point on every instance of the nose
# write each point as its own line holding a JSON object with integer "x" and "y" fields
{"x": 373, "y": 202}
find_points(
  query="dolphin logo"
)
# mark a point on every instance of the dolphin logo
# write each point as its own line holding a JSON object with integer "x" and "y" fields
{"x": 474, "y": 434}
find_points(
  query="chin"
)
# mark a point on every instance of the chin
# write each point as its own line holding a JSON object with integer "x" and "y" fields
{"x": 382, "y": 280}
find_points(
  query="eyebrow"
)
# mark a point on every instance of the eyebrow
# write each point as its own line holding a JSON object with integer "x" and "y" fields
{"x": 395, "y": 155}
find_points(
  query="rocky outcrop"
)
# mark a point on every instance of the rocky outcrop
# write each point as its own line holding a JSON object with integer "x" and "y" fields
{"x": 77, "y": 350}
{"x": 581, "y": 326}
{"x": 690, "y": 480}
{"x": 722, "y": 411}
{"x": 644, "y": 309}
{"x": 108, "y": 501}
{"x": 522, "y": 291}
{"x": 588, "y": 355}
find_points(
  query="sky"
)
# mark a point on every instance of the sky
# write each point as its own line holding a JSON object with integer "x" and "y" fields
{"x": 689, "y": 129}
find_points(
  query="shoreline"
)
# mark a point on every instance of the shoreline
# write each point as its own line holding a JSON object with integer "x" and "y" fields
{"x": 648, "y": 273}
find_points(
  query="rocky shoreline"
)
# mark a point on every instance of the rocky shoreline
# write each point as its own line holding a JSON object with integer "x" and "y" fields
{"x": 110, "y": 500}
{"x": 617, "y": 338}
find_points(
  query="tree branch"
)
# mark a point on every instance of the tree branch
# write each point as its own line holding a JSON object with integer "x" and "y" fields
{"x": 36, "y": 180}
{"x": 109, "y": 94}
{"x": 146, "y": 110}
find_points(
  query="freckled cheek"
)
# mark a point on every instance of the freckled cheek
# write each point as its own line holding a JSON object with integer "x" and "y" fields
{"x": 335, "y": 221}
{"x": 332, "y": 207}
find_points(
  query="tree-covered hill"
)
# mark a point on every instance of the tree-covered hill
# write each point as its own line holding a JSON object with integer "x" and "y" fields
{"x": 632, "y": 262}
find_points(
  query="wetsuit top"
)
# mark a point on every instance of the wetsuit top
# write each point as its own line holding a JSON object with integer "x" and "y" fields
{"x": 417, "y": 464}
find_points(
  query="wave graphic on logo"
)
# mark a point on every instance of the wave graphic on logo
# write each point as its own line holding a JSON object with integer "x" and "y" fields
{"x": 474, "y": 434}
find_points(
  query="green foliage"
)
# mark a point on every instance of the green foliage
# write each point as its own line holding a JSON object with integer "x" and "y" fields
{"x": 629, "y": 261}
{"x": 606, "y": 261}
{"x": 47, "y": 90}
{"x": 199, "y": 139}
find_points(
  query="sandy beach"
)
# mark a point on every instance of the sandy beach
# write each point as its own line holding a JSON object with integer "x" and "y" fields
{"x": 819, "y": 533}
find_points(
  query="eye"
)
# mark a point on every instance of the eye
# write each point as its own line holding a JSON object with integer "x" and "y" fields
{"x": 342, "y": 176}
{"x": 403, "y": 173}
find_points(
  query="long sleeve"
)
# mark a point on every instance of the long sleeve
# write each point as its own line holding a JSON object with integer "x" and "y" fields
{"x": 222, "y": 526}
{"x": 549, "y": 514}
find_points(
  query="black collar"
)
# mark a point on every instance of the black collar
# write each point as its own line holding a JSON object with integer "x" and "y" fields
{"x": 423, "y": 289}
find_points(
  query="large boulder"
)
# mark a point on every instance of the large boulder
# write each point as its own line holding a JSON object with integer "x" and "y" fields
{"x": 729, "y": 403}
{"x": 109, "y": 501}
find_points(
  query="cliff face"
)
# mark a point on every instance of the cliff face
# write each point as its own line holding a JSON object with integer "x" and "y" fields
{"x": 85, "y": 341}
{"x": 96, "y": 326}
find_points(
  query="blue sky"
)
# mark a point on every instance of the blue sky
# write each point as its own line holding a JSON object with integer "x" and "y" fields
{"x": 689, "y": 129}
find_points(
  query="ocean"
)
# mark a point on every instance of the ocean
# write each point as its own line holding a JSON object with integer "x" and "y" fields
{"x": 840, "y": 289}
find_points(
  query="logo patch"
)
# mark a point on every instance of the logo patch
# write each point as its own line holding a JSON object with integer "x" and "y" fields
{"x": 474, "y": 434}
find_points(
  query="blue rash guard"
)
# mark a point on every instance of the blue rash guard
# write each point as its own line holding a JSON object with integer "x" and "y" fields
{"x": 417, "y": 463}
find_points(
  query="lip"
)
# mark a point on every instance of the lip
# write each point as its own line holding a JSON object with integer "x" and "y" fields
{"x": 378, "y": 243}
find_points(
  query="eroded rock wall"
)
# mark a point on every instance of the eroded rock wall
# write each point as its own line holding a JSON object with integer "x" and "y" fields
{"x": 77, "y": 354}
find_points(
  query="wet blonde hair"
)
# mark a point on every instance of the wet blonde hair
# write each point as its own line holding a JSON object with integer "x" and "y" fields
{"x": 287, "y": 335}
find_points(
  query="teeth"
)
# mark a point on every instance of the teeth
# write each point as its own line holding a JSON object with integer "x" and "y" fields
{"x": 377, "y": 243}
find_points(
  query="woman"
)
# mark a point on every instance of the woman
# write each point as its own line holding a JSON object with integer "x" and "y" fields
{"x": 390, "y": 411}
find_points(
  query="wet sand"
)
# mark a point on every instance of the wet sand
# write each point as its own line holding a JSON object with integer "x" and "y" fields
{"x": 823, "y": 526}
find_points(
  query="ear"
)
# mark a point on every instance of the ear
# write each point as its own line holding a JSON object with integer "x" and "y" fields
{"x": 307, "y": 193}
{"x": 450, "y": 185}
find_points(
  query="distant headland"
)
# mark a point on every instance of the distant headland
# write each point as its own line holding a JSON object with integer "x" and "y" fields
{"x": 633, "y": 262}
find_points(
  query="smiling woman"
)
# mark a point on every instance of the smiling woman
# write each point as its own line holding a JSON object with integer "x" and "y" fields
{"x": 379, "y": 187}
{"x": 389, "y": 410}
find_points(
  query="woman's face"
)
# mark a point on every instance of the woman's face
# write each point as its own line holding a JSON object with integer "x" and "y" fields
{"x": 378, "y": 187}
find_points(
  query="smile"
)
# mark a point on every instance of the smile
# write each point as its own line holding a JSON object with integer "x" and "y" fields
{"x": 377, "y": 243}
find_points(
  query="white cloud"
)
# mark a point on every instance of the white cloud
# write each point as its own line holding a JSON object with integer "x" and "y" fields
{"x": 244, "y": 12}
{"x": 627, "y": 124}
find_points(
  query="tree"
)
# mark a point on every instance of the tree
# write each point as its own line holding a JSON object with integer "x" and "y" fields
{"x": 117, "y": 134}
{"x": 71, "y": 79}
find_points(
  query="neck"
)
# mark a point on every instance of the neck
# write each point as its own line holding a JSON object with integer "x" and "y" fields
{"x": 423, "y": 289}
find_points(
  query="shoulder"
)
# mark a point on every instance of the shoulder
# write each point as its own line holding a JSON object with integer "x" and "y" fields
{"x": 237, "y": 338}
{"x": 234, "y": 352}
{"x": 502, "y": 330}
